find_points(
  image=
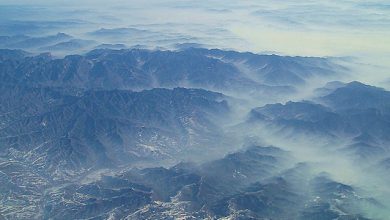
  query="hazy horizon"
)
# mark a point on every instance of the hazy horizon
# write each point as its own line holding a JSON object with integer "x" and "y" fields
{"x": 311, "y": 28}
{"x": 177, "y": 129}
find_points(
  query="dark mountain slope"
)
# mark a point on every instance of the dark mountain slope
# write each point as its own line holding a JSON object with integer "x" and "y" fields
{"x": 61, "y": 133}
{"x": 140, "y": 69}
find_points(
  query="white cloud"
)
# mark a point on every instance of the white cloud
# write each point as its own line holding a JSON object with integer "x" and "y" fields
{"x": 313, "y": 28}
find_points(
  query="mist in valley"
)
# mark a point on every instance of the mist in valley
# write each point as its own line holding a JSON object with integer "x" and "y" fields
{"x": 205, "y": 110}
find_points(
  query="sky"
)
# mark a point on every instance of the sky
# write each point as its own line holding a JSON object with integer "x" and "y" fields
{"x": 340, "y": 28}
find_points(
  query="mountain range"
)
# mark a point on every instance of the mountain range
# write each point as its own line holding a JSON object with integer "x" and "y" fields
{"x": 192, "y": 133}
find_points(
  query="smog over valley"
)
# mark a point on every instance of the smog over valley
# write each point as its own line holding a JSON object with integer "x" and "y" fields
{"x": 178, "y": 109}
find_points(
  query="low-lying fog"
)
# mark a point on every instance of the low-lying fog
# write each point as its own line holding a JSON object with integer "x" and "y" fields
{"x": 355, "y": 33}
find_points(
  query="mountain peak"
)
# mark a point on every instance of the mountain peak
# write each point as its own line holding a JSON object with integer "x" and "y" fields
{"x": 359, "y": 96}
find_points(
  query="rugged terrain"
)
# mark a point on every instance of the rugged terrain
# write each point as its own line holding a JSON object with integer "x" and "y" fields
{"x": 188, "y": 134}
